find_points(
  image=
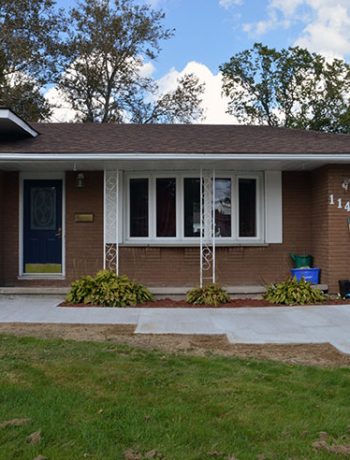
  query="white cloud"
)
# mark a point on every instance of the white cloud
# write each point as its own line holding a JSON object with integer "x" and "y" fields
{"x": 325, "y": 24}
{"x": 329, "y": 30}
{"x": 62, "y": 110}
{"x": 228, "y": 3}
{"x": 214, "y": 103}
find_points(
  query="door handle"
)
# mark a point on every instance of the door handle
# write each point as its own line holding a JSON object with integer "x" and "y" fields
{"x": 59, "y": 232}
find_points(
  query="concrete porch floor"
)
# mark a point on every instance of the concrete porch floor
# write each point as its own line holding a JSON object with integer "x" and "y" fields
{"x": 282, "y": 325}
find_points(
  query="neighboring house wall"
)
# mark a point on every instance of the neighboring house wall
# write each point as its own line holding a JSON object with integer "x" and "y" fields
{"x": 1, "y": 226}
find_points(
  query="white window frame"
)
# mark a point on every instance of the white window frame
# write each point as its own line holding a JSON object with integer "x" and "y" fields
{"x": 180, "y": 239}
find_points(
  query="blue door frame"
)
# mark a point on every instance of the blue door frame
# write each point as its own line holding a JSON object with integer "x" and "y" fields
{"x": 42, "y": 226}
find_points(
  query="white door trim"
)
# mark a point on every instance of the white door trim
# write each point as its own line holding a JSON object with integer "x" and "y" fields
{"x": 43, "y": 176}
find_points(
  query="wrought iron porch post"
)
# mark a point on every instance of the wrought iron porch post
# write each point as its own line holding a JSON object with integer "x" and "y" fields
{"x": 207, "y": 227}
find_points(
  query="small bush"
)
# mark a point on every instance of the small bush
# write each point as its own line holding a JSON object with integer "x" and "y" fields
{"x": 211, "y": 294}
{"x": 293, "y": 292}
{"x": 109, "y": 290}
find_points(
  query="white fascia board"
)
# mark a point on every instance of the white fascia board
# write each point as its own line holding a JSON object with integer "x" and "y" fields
{"x": 7, "y": 114}
{"x": 341, "y": 157}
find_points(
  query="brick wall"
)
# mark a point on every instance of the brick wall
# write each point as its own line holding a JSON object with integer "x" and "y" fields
{"x": 235, "y": 265}
{"x": 331, "y": 237}
{"x": 84, "y": 241}
{"x": 310, "y": 225}
{"x": 10, "y": 230}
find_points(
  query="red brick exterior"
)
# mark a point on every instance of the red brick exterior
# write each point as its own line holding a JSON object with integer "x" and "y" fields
{"x": 310, "y": 225}
{"x": 84, "y": 241}
{"x": 331, "y": 236}
{"x": 10, "y": 227}
{"x": 235, "y": 265}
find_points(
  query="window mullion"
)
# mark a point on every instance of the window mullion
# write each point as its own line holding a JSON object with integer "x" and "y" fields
{"x": 152, "y": 208}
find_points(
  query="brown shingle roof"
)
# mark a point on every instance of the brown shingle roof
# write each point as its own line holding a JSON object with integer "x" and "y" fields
{"x": 112, "y": 138}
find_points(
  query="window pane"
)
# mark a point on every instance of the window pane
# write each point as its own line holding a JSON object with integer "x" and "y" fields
{"x": 192, "y": 206}
{"x": 166, "y": 207}
{"x": 43, "y": 208}
{"x": 138, "y": 207}
{"x": 247, "y": 207}
{"x": 223, "y": 207}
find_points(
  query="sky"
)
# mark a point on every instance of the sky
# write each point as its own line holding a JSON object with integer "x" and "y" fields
{"x": 209, "y": 32}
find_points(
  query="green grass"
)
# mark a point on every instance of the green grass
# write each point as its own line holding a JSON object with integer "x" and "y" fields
{"x": 93, "y": 400}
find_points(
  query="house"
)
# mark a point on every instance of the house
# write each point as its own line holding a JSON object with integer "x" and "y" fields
{"x": 170, "y": 205}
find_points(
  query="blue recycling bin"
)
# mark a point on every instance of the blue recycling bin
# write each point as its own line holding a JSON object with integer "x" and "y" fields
{"x": 312, "y": 275}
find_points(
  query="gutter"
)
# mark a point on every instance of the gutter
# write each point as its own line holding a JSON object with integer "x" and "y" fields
{"x": 10, "y": 157}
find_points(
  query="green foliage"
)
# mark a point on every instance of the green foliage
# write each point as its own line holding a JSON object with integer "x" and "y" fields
{"x": 29, "y": 38}
{"x": 292, "y": 88}
{"x": 106, "y": 47}
{"x": 94, "y": 52}
{"x": 293, "y": 292}
{"x": 109, "y": 290}
{"x": 211, "y": 294}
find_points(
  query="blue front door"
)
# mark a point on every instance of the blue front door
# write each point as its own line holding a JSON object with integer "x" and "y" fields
{"x": 42, "y": 226}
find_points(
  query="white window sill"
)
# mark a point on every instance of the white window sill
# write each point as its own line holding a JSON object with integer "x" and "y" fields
{"x": 41, "y": 276}
{"x": 192, "y": 244}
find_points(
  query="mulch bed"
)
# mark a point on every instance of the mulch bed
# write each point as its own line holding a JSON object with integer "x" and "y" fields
{"x": 234, "y": 303}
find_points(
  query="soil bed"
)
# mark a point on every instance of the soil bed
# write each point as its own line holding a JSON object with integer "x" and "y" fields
{"x": 233, "y": 303}
{"x": 324, "y": 355}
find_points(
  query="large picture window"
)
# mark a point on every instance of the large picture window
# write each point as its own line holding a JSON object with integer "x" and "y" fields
{"x": 165, "y": 208}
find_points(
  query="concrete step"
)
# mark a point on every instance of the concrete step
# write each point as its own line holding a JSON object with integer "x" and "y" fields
{"x": 175, "y": 293}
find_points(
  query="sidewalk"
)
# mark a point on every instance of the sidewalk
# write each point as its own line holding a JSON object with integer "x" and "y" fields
{"x": 284, "y": 325}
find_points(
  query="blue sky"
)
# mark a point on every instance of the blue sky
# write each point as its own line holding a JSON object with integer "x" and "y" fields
{"x": 209, "y": 32}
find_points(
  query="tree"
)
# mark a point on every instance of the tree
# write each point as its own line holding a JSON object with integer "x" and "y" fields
{"x": 104, "y": 55}
{"x": 29, "y": 33}
{"x": 292, "y": 88}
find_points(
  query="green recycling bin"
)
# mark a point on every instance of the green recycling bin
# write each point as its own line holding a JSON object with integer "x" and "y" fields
{"x": 302, "y": 261}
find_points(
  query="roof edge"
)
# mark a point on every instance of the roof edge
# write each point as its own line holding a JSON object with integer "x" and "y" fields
{"x": 8, "y": 114}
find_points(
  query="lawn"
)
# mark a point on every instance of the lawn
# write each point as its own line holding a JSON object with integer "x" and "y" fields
{"x": 107, "y": 401}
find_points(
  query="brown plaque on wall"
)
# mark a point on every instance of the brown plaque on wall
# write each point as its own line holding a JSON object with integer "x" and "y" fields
{"x": 84, "y": 217}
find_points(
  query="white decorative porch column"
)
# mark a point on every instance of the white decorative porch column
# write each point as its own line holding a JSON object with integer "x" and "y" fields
{"x": 207, "y": 227}
{"x": 111, "y": 220}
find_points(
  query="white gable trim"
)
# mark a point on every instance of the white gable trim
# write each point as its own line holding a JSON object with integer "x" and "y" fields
{"x": 7, "y": 114}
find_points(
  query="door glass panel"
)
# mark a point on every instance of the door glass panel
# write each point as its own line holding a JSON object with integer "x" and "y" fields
{"x": 43, "y": 208}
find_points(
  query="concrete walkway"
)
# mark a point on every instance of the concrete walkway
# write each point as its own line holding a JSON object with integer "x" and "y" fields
{"x": 245, "y": 325}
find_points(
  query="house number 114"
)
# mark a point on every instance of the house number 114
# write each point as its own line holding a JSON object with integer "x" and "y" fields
{"x": 339, "y": 203}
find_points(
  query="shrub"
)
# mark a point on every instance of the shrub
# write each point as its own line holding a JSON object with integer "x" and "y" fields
{"x": 293, "y": 292}
{"x": 109, "y": 290}
{"x": 211, "y": 294}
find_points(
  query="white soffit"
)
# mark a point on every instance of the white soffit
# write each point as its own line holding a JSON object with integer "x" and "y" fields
{"x": 13, "y": 125}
